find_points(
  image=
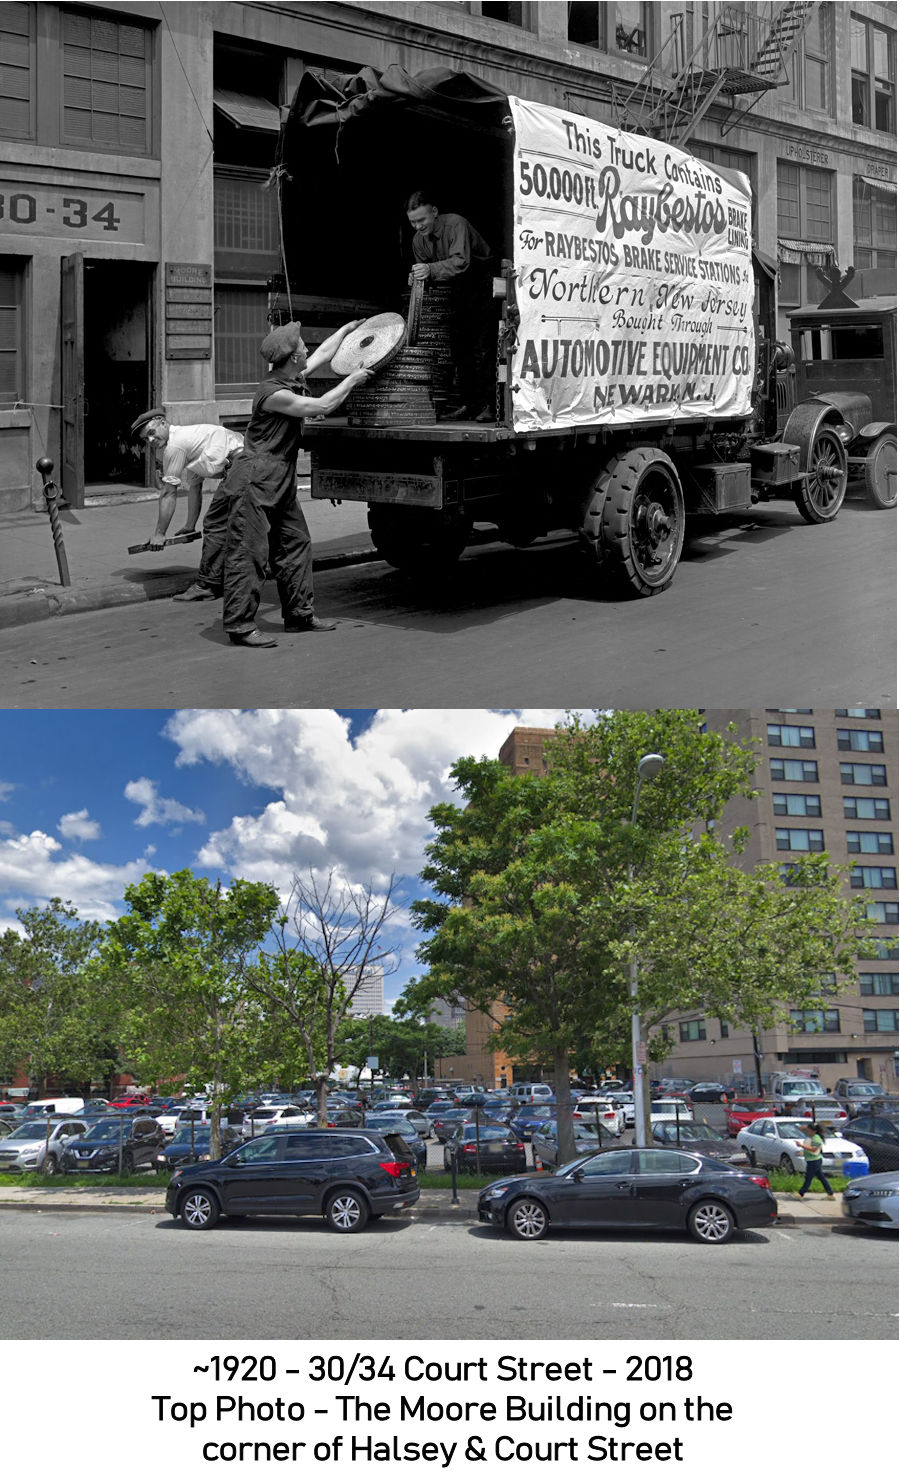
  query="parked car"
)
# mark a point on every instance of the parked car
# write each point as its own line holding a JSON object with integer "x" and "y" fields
{"x": 56, "y": 1106}
{"x": 184, "y": 1152}
{"x": 545, "y": 1142}
{"x": 671, "y": 1109}
{"x": 435, "y": 1108}
{"x": 878, "y": 1138}
{"x": 856, "y": 1093}
{"x": 599, "y": 1109}
{"x": 36, "y": 1145}
{"x": 775, "y": 1142}
{"x": 347, "y": 1177}
{"x": 500, "y": 1108}
{"x": 697, "y": 1137}
{"x": 530, "y": 1091}
{"x": 632, "y": 1188}
{"x": 125, "y": 1103}
{"x": 711, "y": 1091}
{"x": 276, "y": 1116}
{"x": 872, "y": 1200}
{"x": 133, "y": 1140}
{"x": 741, "y": 1113}
{"x": 443, "y": 1122}
{"x": 12, "y": 1112}
{"x": 396, "y": 1121}
{"x": 489, "y": 1147}
{"x": 527, "y": 1118}
{"x": 345, "y": 1116}
{"x": 675, "y": 1083}
{"x": 823, "y": 1109}
{"x": 789, "y": 1091}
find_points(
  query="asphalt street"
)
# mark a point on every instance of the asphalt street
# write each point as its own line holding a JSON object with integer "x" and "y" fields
{"x": 767, "y": 608}
{"x": 134, "y": 1276}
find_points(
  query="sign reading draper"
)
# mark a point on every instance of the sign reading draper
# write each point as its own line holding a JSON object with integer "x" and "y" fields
{"x": 633, "y": 277}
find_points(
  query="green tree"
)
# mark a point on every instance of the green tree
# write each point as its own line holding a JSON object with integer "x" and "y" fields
{"x": 181, "y": 958}
{"x": 53, "y": 1018}
{"x": 546, "y": 894}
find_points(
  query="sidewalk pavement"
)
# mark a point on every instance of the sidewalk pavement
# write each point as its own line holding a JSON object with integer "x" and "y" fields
{"x": 434, "y": 1205}
{"x": 103, "y": 574}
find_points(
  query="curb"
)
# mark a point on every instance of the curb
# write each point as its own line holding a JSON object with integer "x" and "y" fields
{"x": 35, "y": 606}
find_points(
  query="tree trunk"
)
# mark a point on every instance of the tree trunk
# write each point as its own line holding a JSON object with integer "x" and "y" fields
{"x": 565, "y": 1127}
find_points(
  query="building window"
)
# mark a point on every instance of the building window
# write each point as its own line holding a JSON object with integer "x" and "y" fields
{"x": 788, "y": 710}
{"x": 867, "y": 808}
{"x": 800, "y": 840}
{"x": 805, "y": 230}
{"x": 513, "y": 15}
{"x": 859, "y": 714}
{"x": 803, "y": 873}
{"x": 873, "y": 877}
{"x": 816, "y": 1021}
{"x": 786, "y": 769}
{"x": 245, "y": 217}
{"x": 724, "y": 1030}
{"x": 612, "y": 28}
{"x": 873, "y": 56}
{"x": 692, "y": 1029}
{"x": 886, "y": 911}
{"x": 801, "y": 805}
{"x": 734, "y": 159}
{"x": 863, "y": 774}
{"x": 879, "y": 985}
{"x": 17, "y": 93}
{"x": 879, "y": 1021}
{"x": 240, "y": 325}
{"x": 866, "y": 843}
{"x": 886, "y": 950}
{"x": 12, "y": 338}
{"x": 811, "y": 66}
{"x": 860, "y": 740}
{"x": 105, "y": 83}
{"x": 874, "y": 246}
{"x": 803, "y": 736}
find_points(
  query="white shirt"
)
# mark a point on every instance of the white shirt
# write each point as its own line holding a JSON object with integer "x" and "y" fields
{"x": 198, "y": 452}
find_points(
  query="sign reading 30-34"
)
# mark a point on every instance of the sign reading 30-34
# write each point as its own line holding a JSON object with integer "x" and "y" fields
{"x": 63, "y": 211}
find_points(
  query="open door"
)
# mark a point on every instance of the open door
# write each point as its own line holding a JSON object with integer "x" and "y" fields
{"x": 72, "y": 375}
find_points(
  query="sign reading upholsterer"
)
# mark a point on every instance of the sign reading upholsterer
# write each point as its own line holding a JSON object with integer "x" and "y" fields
{"x": 634, "y": 278}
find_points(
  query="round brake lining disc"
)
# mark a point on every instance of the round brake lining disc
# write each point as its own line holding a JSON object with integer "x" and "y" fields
{"x": 372, "y": 344}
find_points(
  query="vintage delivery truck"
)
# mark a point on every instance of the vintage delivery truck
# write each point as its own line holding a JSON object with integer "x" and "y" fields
{"x": 636, "y": 354}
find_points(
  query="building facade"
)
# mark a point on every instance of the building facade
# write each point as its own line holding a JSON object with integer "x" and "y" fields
{"x": 368, "y": 1000}
{"x": 138, "y": 212}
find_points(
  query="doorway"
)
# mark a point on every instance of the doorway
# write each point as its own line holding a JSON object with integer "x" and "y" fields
{"x": 117, "y": 374}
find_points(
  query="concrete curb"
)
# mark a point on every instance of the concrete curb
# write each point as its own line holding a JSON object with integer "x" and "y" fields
{"x": 46, "y": 602}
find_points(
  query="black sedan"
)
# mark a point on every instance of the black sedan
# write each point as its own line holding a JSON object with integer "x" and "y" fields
{"x": 697, "y": 1137}
{"x": 878, "y": 1138}
{"x": 114, "y": 1144}
{"x": 484, "y": 1147}
{"x": 444, "y": 1122}
{"x": 188, "y": 1150}
{"x": 711, "y": 1091}
{"x": 632, "y": 1189}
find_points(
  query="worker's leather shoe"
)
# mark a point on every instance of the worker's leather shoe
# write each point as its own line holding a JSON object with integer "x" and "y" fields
{"x": 196, "y": 593}
{"x": 485, "y": 415}
{"x": 253, "y": 639}
{"x": 309, "y": 625}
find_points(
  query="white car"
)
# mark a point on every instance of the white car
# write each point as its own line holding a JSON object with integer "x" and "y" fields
{"x": 277, "y": 1119}
{"x": 674, "y": 1110}
{"x": 591, "y": 1109}
{"x": 776, "y": 1142}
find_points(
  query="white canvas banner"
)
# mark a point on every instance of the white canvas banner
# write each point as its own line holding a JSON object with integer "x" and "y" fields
{"x": 634, "y": 278}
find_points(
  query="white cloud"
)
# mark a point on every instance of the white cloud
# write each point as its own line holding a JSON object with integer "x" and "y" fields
{"x": 6, "y": 789}
{"x": 155, "y": 809}
{"x": 34, "y": 868}
{"x": 79, "y": 825}
{"x": 359, "y": 804}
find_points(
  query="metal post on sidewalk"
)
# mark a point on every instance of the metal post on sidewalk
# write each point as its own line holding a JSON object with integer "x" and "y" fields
{"x": 454, "y": 1196}
{"x": 44, "y": 467}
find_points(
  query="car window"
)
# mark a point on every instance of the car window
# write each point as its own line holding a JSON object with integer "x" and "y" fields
{"x": 261, "y": 1150}
{"x": 666, "y": 1160}
{"x": 607, "y": 1163}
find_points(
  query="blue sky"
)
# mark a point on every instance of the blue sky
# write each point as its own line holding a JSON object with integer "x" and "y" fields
{"x": 91, "y": 800}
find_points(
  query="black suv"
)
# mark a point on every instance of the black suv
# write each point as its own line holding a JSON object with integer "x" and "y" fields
{"x": 133, "y": 1140}
{"x": 348, "y": 1177}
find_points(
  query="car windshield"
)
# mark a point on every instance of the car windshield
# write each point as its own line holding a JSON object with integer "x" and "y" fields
{"x": 108, "y": 1131}
{"x": 793, "y": 1129}
{"x": 396, "y": 1124}
{"x": 482, "y": 1130}
{"x": 691, "y": 1132}
{"x": 29, "y": 1131}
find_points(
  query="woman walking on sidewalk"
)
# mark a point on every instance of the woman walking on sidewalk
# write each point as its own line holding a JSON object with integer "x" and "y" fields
{"x": 812, "y": 1151}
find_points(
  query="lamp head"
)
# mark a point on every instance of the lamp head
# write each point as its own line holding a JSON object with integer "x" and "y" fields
{"x": 650, "y": 766}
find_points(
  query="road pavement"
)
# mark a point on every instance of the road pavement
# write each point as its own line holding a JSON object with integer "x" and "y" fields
{"x": 768, "y": 607}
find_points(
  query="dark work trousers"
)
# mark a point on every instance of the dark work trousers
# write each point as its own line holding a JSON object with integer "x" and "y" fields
{"x": 266, "y": 527}
{"x": 814, "y": 1170}
{"x": 212, "y": 552}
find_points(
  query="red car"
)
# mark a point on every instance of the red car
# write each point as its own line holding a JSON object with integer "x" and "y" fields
{"x": 741, "y": 1113}
{"x": 127, "y": 1101}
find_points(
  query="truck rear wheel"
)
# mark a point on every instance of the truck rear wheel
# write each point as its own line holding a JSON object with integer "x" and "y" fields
{"x": 881, "y": 471}
{"x": 418, "y": 541}
{"x": 820, "y": 496}
{"x": 635, "y": 521}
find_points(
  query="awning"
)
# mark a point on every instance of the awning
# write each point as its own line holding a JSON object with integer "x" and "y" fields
{"x": 795, "y": 249}
{"x": 247, "y": 112}
{"x": 889, "y": 187}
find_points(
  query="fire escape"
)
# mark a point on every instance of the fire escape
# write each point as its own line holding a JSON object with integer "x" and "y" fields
{"x": 741, "y": 54}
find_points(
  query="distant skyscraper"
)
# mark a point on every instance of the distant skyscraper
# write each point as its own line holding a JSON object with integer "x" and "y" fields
{"x": 368, "y": 1000}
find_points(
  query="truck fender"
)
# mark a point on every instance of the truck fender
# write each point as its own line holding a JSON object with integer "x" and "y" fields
{"x": 875, "y": 429}
{"x": 805, "y": 421}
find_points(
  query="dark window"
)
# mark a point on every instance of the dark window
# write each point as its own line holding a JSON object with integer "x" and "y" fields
{"x": 879, "y": 1021}
{"x": 12, "y": 338}
{"x": 867, "y": 808}
{"x": 873, "y": 877}
{"x": 805, "y": 214}
{"x": 585, "y": 27}
{"x": 513, "y": 15}
{"x": 788, "y": 769}
{"x": 860, "y": 740}
{"x": 873, "y": 52}
{"x": 861, "y": 713}
{"x": 803, "y": 840}
{"x": 724, "y": 1030}
{"x": 803, "y": 736}
{"x": 811, "y": 66}
{"x": 106, "y": 95}
{"x": 17, "y": 91}
{"x": 692, "y": 1029}
{"x": 886, "y": 911}
{"x": 878, "y": 985}
{"x": 869, "y": 843}
{"x": 797, "y": 804}
{"x": 816, "y": 1021}
{"x": 863, "y": 774}
{"x": 874, "y": 246}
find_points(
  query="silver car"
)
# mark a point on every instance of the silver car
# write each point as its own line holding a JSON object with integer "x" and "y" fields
{"x": 277, "y": 1119}
{"x": 776, "y": 1142}
{"x": 36, "y": 1146}
{"x": 873, "y": 1200}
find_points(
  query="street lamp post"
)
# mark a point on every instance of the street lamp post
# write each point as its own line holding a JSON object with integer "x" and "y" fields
{"x": 649, "y": 767}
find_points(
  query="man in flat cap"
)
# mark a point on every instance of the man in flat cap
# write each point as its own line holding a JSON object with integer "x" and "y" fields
{"x": 265, "y": 522}
{"x": 187, "y": 456}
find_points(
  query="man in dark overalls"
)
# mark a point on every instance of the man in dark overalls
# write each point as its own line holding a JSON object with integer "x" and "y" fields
{"x": 266, "y": 526}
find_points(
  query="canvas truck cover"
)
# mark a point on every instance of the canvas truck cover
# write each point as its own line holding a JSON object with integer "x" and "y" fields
{"x": 634, "y": 278}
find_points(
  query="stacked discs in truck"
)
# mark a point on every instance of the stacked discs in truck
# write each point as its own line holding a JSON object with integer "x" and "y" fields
{"x": 428, "y": 308}
{"x": 399, "y": 393}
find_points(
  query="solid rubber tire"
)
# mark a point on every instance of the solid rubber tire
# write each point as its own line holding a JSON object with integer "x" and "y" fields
{"x": 875, "y": 478}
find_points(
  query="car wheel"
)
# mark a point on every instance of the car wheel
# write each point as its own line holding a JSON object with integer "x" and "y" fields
{"x": 527, "y": 1219}
{"x": 51, "y": 1165}
{"x": 199, "y": 1211}
{"x": 346, "y": 1212}
{"x": 711, "y": 1222}
{"x": 787, "y": 1165}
